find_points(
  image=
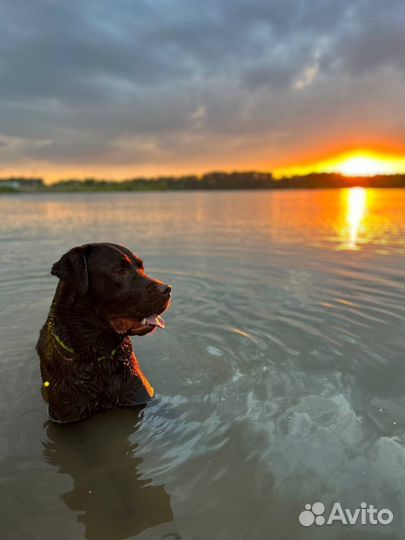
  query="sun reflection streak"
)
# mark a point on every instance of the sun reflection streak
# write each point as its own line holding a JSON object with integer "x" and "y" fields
{"x": 356, "y": 206}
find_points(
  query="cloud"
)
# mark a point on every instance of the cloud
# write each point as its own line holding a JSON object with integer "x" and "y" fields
{"x": 122, "y": 83}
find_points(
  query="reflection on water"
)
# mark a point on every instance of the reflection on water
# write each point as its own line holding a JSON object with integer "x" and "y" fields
{"x": 356, "y": 200}
{"x": 279, "y": 375}
{"x": 109, "y": 496}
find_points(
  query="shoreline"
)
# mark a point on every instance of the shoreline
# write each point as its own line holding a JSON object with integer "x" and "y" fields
{"x": 242, "y": 181}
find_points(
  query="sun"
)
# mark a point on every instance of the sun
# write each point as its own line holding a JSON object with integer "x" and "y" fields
{"x": 364, "y": 166}
{"x": 359, "y": 162}
{"x": 366, "y": 163}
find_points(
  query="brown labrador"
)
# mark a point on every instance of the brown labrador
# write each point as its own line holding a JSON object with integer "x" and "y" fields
{"x": 87, "y": 362}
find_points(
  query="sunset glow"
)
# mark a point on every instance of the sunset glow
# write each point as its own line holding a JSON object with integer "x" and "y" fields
{"x": 293, "y": 97}
{"x": 369, "y": 164}
{"x": 362, "y": 166}
{"x": 354, "y": 163}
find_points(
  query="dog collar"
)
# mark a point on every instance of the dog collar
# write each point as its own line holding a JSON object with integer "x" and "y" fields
{"x": 60, "y": 342}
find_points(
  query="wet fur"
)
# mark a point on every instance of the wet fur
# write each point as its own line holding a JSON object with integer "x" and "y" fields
{"x": 97, "y": 282}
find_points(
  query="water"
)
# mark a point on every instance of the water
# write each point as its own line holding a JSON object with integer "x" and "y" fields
{"x": 279, "y": 374}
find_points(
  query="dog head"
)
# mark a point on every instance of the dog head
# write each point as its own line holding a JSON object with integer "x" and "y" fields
{"x": 113, "y": 279}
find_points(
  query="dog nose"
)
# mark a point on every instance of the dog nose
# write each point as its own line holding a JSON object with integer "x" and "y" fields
{"x": 166, "y": 290}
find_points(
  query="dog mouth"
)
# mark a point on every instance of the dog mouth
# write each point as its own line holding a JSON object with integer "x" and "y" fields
{"x": 154, "y": 321}
{"x": 126, "y": 325}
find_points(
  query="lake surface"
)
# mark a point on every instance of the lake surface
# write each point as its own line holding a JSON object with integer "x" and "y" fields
{"x": 279, "y": 375}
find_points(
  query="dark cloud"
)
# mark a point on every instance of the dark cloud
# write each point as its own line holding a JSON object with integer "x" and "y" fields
{"x": 168, "y": 82}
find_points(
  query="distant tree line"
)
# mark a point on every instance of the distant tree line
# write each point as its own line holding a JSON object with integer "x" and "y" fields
{"x": 209, "y": 181}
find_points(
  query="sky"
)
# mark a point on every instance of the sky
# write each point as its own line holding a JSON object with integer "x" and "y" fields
{"x": 127, "y": 88}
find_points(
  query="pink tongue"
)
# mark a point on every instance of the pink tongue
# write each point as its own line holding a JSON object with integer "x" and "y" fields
{"x": 155, "y": 320}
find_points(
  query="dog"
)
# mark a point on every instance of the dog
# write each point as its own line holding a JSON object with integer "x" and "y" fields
{"x": 86, "y": 358}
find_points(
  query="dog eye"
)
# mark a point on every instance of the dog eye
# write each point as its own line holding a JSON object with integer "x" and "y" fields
{"x": 120, "y": 271}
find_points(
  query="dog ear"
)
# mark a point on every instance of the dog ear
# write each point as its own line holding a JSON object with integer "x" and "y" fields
{"x": 72, "y": 269}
